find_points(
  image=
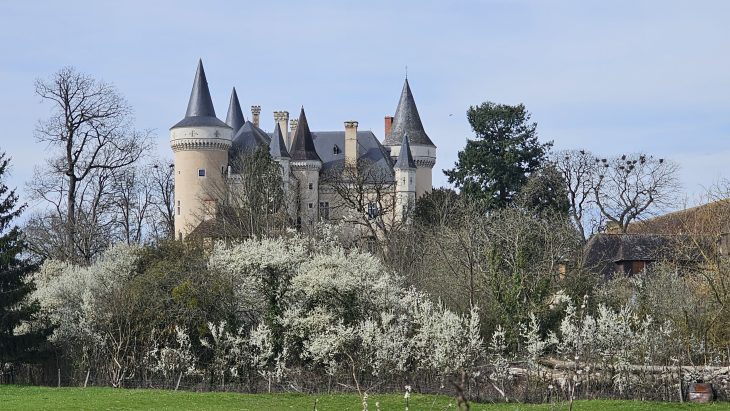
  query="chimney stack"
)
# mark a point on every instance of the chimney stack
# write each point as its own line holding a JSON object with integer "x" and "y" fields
{"x": 255, "y": 112}
{"x": 388, "y": 125}
{"x": 293, "y": 124}
{"x": 282, "y": 117}
{"x": 351, "y": 154}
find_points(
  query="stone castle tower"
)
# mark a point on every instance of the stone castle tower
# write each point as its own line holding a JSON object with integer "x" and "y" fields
{"x": 200, "y": 143}
{"x": 305, "y": 166}
{"x": 407, "y": 122}
{"x": 405, "y": 181}
{"x": 208, "y": 154}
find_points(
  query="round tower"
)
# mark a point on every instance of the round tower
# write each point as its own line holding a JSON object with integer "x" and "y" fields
{"x": 405, "y": 182}
{"x": 305, "y": 165}
{"x": 200, "y": 144}
{"x": 407, "y": 121}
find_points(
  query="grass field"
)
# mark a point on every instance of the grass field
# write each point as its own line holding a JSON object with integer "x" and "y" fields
{"x": 42, "y": 398}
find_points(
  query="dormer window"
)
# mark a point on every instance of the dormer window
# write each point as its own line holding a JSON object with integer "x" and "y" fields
{"x": 336, "y": 150}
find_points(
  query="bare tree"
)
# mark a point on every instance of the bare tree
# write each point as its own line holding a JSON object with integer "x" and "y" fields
{"x": 91, "y": 135}
{"x": 618, "y": 190}
{"x": 253, "y": 202}
{"x": 578, "y": 168}
{"x": 630, "y": 187}
{"x": 162, "y": 180}
{"x": 133, "y": 199}
{"x": 364, "y": 198}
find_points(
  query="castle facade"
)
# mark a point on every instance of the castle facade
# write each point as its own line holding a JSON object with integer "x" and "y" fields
{"x": 393, "y": 173}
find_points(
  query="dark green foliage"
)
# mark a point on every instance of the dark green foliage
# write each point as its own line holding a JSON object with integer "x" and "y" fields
{"x": 15, "y": 309}
{"x": 495, "y": 165}
{"x": 175, "y": 287}
{"x": 544, "y": 193}
{"x": 441, "y": 206}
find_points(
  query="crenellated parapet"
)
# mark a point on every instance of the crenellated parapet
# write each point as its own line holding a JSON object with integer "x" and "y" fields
{"x": 186, "y": 145}
{"x": 308, "y": 165}
{"x": 425, "y": 162}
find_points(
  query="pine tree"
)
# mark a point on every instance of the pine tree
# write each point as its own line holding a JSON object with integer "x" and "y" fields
{"x": 19, "y": 341}
{"x": 496, "y": 164}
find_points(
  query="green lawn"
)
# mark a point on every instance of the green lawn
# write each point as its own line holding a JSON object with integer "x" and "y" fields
{"x": 42, "y": 398}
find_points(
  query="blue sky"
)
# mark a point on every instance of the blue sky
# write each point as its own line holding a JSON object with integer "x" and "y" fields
{"x": 610, "y": 77}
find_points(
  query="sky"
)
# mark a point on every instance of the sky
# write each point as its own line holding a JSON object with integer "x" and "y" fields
{"x": 611, "y": 77}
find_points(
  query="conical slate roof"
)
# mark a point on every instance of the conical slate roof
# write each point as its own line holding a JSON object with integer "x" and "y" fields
{"x": 234, "y": 119}
{"x": 246, "y": 141}
{"x": 407, "y": 121}
{"x": 302, "y": 148}
{"x": 200, "y": 110}
{"x": 277, "y": 148}
{"x": 405, "y": 158}
{"x": 248, "y": 138}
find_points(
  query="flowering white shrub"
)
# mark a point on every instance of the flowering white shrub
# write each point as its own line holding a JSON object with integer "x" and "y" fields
{"x": 174, "y": 359}
{"x": 70, "y": 295}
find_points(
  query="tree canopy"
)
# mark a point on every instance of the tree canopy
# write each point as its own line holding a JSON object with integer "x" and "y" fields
{"x": 15, "y": 346}
{"x": 496, "y": 164}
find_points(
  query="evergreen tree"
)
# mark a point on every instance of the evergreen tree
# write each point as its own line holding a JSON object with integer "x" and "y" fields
{"x": 544, "y": 192}
{"x": 496, "y": 164}
{"x": 19, "y": 341}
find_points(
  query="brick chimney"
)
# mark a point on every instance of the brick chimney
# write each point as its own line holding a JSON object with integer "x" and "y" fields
{"x": 255, "y": 113}
{"x": 351, "y": 144}
{"x": 388, "y": 125}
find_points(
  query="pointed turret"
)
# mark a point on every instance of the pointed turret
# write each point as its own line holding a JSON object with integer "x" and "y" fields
{"x": 200, "y": 112}
{"x": 405, "y": 158}
{"x": 302, "y": 147}
{"x": 235, "y": 119}
{"x": 407, "y": 121}
{"x": 277, "y": 147}
{"x": 201, "y": 143}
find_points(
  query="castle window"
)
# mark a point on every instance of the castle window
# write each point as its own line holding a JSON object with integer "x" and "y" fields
{"x": 336, "y": 150}
{"x": 324, "y": 210}
{"x": 372, "y": 210}
{"x": 311, "y": 186}
{"x": 178, "y": 203}
{"x": 178, "y": 211}
{"x": 310, "y": 205}
{"x": 201, "y": 172}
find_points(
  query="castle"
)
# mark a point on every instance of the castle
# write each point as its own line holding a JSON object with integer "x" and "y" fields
{"x": 204, "y": 148}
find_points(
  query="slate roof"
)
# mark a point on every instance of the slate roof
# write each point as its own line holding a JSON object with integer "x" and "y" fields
{"x": 407, "y": 121}
{"x": 302, "y": 146}
{"x": 277, "y": 147}
{"x": 235, "y": 118}
{"x": 405, "y": 157}
{"x": 200, "y": 110}
{"x": 369, "y": 148}
{"x": 603, "y": 251}
{"x": 247, "y": 140}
